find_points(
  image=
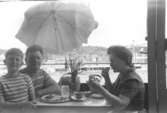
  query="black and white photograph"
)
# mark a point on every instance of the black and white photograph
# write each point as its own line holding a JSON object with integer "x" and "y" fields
{"x": 83, "y": 56}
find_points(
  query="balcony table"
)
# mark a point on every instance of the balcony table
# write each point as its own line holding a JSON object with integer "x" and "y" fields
{"x": 90, "y": 105}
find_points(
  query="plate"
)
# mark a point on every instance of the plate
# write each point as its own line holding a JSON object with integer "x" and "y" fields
{"x": 74, "y": 98}
{"x": 96, "y": 95}
{"x": 53, "y": 98}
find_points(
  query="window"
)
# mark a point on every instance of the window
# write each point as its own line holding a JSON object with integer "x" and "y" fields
{"x": 119, "y": 23}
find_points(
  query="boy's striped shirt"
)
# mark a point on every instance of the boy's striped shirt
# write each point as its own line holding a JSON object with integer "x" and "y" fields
{"x": 16, "y": 89}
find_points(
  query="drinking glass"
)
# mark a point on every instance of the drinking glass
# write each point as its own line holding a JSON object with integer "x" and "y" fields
{"x": 65, "y": 91}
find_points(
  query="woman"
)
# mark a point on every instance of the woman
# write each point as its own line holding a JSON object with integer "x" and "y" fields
{"x": 126, "y": 94}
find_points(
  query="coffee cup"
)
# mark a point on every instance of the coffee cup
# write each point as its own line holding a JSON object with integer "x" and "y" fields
{"x": 95, "y": 77}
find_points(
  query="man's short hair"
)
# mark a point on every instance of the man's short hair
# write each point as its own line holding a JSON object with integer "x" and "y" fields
{"x": 34, "y": 48}
{"x": 14, "y": 51}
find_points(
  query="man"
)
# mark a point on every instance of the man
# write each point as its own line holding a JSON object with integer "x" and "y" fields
{"x": 126, "y": 94}
{"x": 43, "y": 83}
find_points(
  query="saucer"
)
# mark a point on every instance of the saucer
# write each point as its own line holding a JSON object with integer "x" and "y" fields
{"x": 96, "y": 95}
{"x": 74, "y": 98}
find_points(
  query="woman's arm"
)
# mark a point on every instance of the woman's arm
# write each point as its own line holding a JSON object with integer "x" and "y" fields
{"x": 105, "y": 74}
{"x": 117, "y": 102}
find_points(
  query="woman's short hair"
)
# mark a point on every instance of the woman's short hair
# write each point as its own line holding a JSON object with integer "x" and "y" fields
{"x": 34, "y": 48}
{"x": 14, "y": 51}
{"x": 122, "y": 53}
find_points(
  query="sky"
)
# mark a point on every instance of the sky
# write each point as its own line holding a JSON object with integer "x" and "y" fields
{"x": 120, "y": 22}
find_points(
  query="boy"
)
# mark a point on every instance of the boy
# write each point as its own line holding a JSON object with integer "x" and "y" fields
{"x": 14, "y": 86}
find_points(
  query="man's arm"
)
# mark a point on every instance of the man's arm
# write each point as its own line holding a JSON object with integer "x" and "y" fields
{"x": 50, "y": 86}
{"x": 53, "y": 88}
{"x": 31, "y": 92}
{"x": 2, "y": 100}
{"x": 17, "y": 106}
